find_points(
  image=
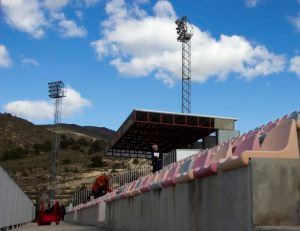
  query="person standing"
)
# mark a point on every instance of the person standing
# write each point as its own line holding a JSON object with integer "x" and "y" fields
{"x": 156, "y": 159}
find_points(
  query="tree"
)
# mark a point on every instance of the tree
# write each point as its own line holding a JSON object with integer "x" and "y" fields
{"x": 97, "y": 161}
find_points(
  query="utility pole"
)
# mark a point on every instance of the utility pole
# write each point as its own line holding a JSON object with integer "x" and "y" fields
{"x": 185, "y": 32}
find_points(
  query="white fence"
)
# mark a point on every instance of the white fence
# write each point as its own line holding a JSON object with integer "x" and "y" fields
{"x": 129, "y": 176}
{"x": 80, "y": 196}
{"x": 15, "y": 206}
{"x": 115, "y": 181}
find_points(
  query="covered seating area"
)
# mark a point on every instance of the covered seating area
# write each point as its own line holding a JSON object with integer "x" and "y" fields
{"x": 169, "y": 131}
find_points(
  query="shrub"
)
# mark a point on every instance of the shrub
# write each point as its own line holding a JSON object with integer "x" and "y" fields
{"x": 135, "y": 161}
{"x": 64, "y": 144}
{"x": 75, "y": 170}
{"x": 96, "y": 146}
{"x": 15, "y": 153}
{"x": 63, "y": 137}
{"x": 66, "y": 161}
{"x": 118, "y": 165}
{"x": 82, "y": 142}
{"x": 71, "y": 141}
{"x": 97, "y": 161}
{"x": 44, "y": 147}
{"x": 41, "y": 177}
{"x": 47, "y": 146}
{"x": 82, "y": 187}
{"x": 113, "y": 171}
{"x": 36, "y": 152}
{"x": 75, "y": 147}
{"x": 25, "y": 173}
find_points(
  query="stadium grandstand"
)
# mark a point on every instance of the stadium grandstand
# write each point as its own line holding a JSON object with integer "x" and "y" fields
{"x": 170, "y": 131}
{"x": 249, "y": 182}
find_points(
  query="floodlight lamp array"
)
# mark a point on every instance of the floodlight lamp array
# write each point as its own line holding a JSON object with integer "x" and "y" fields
{"x": 56, "y": 89}
{"x": 184, "y": 29}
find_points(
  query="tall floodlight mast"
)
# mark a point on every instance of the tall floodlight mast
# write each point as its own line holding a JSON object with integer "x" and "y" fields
{"x": 56, "y": 91}
{"x": 185, "y": 32}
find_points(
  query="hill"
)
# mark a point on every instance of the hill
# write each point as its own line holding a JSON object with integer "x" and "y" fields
{"x": 101, "y": 133}
{"x": 25, "y": 152}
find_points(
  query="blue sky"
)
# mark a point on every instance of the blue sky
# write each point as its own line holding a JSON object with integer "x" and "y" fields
{"x": 117, "y": 55}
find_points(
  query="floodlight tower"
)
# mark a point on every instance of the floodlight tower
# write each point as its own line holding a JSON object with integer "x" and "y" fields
{"x": 56, "y": 91}
{"x": 185, "y": 32}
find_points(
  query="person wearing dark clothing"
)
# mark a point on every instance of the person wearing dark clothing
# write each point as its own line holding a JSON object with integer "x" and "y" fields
{"x": 156, "y": 159}
{"x": 62, "y": 212}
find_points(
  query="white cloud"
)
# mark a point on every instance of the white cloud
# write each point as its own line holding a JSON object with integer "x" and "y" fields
{"x": 74, "y": 102}
{"x": 55, "y": 4}
{"x": 295, "y": 65}
{"x": 143, "y": 46}
{"x": 167, "y": 79}
{"x": 5, "y": 60}
{"x": 164, "y": 9}
{"x": 30, "y": 61}
{"x": 79, "y": 14}
{"x": 43, "y": 110}
{"x": 252, "y": 3}
{"x": 25, "y": 15}
{"x": 91, "y": 2}
{"x": 32, "y": 110}
{"x": 295, "y": 21}
{"x": 68, "y": 28}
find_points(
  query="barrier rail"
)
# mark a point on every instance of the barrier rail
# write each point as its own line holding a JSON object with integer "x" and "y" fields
{"x": 15, "y": 206}
{"x": 129, "y": 176}
{"x": 117, "y": 180}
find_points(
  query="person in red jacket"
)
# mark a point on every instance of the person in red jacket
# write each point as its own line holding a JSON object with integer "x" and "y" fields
{"x": 100, "y": 187}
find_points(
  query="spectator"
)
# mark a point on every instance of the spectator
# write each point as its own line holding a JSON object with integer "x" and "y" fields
{"x": 156, "y": 159}
{"x": 100, "y": 187}
{"x": 62, "y": 212}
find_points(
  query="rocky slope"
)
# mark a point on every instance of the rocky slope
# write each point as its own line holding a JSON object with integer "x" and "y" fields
{"x": 25, "y": 152}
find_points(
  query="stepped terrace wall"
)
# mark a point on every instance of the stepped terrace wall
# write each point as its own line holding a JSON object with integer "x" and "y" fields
{"x": 265, "y": 193}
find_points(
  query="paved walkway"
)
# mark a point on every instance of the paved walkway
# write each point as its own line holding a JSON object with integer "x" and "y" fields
{"x": 61, "y": 227}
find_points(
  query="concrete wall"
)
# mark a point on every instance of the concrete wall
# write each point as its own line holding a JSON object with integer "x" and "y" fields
{"x": 92, "y": 216}
{"x": 276, "y": 192}
{"x": 266, "y": 193}
{"x": 15, "y": 206}
{"x": 214, "y": 203}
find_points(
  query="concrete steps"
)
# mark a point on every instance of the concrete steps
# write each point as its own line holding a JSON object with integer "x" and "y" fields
{"x": 277, "y": 228}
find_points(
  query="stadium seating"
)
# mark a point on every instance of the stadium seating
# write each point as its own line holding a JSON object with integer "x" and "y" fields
{"x": 161, "y": 176}
{"x": 129, "y": 189}
{"x": 136, "y": 190}
{"x": 276, "y": 139}
{"x": 280, "y": 142}
{"x": 184, "y": 173}
{"x": 169, "y": 178}
{"x": 296, "y": 116}
{"x": 203, "y": 165}
{"x": 144, "y": 184}
{"x": 119, "y": 192}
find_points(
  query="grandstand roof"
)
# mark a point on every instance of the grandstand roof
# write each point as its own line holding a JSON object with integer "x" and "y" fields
{"x": 168, "y": 130}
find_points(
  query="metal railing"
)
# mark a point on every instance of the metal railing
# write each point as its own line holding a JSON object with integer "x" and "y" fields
{"x": 15, "y": 206}
{"x": 169, "y": 158}
{"x": 115, "y": 181}
{"x": 80, "y": 196}
{"x": 129, "y": 176}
